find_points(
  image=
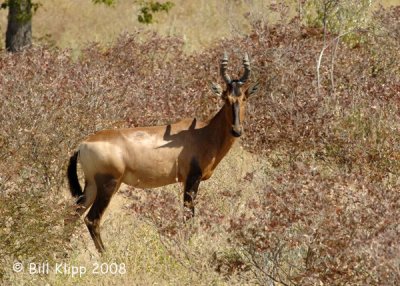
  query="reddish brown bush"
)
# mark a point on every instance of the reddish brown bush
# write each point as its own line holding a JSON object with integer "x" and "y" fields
{"x": 329, "y": 211}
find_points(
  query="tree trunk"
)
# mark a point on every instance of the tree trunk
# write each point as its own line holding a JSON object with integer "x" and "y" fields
{"x": 19, "y": 28}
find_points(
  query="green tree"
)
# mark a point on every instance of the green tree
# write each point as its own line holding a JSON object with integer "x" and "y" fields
{"x": 19, "y": 26}
{"x": 20, "y": 12}
{"x": 148, "y": 8}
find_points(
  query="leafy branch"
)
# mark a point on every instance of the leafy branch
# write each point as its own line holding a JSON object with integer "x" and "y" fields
{"x": 148, "y": 8}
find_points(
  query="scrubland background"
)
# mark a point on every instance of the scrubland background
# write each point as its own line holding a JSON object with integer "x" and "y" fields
{"x": 309, "y": 196}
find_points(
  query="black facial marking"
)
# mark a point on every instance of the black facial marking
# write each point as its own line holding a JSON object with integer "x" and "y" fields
{"x": 235, "y": 88}
{"x": 235, "y": 111}
{"x": 236, "y": 120}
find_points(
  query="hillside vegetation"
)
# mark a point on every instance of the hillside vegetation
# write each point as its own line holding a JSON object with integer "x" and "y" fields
{"x": 73, "y": 24}
{"x": 309, "y": 196}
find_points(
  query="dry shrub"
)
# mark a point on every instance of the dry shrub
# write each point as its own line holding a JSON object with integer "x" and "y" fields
{"x": 334, "y": 230}
{"x": 328, "y": 212}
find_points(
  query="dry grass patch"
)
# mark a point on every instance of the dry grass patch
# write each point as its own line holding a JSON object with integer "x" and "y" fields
{"x": 317, "y": 203}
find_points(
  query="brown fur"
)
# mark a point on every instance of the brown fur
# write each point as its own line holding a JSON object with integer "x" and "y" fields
{"x": 148, "y": 157}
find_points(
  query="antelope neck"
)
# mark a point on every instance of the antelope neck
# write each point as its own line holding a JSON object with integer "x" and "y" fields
{"x": 219, "y": 128}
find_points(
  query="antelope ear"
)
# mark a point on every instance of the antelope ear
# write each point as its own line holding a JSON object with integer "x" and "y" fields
{"x": 216, "y": 88}
{"x": 252, "y": 89}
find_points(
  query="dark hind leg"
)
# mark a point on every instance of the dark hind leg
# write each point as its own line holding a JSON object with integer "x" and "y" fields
{"x": 107, "y": 185}
{"x": 191, "y": 186}
{"x": 88, "y": 197}
{"x": 83, "y": 202}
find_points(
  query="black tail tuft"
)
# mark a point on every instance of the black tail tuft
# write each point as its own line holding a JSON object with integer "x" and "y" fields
{"x": 74, "y": 186}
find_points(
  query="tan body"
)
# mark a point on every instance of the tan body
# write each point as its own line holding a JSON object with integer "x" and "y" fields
{"x": 147, "y": 157}
{"x": 156, "y": 156}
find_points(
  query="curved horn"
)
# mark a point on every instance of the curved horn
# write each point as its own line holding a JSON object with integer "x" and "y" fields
{"x": 224, "y": 63}
{"x": 246, "y": 64}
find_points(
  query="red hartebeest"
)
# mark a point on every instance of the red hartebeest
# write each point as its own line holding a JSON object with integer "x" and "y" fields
{"x": 148, "y": 157}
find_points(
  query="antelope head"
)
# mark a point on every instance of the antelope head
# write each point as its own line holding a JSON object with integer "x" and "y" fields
{"x": 235, "y": 94}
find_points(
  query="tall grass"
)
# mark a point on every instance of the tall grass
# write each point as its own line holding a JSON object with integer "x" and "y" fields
{"x": 313, "y": 200}
{"x": 74, "y": 24}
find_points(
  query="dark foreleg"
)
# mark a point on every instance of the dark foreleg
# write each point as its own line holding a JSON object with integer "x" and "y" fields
{"x": 191, "y": 186}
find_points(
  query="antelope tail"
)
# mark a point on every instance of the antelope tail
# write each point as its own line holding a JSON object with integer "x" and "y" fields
{"x": 74, "y": 186}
